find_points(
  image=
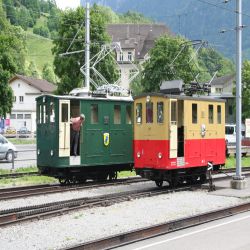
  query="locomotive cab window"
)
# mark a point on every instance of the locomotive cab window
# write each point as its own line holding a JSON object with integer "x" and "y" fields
{"x": 210, "y": 114}
{"x": 139, "y": 113}
{"x": 160, "y": 116}
{"x": 194, "y": 113}
{"x": 117, "y": 114}
{"x": 128, "y": 115}
{"x": 219, "y": 114}
{"x": 94, "y": 113}
{"x": 64, "y": 116}
{"x": 149, "y": 112}
{"x": 52, "y": 112}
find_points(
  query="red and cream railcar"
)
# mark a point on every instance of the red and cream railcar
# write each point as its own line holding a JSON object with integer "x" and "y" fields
{"x": 177, "y": 137}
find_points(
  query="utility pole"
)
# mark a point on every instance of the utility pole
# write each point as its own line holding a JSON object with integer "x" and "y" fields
{"x": 87, "y": 45}
{"x": 238, "y": 181}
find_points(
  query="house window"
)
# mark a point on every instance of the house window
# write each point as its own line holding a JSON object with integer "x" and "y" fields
{"x": 12, "y": 116}
{"x": 19, "y": 116}
{"x": 132, "y": 72}
{"x": 117, "y": 114}
{"x": 160, "y": 117}
{"x": 121, "y": 57}
{"x": 27, "y": 116}
{"x": 129, "y": 56}
{"x": 230, "y": 110}
{"x": 194, "y": 113}
{"x": 128, "y": 115}
{"x": 218, "y": 90}
{"x": 94, "y": 113}
{"x": 149, "y": 112}
{"x": 21, "y": 99}
{"x": 210, "y": 114}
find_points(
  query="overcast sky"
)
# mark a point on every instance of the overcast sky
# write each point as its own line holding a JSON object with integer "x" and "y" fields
{"x": 62, "y": 4}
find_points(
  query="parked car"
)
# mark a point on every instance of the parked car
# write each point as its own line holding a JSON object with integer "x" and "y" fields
{"x": 10, "y": 132}
{"x": 23, "y": 132}
{"x": 7, "y": 149}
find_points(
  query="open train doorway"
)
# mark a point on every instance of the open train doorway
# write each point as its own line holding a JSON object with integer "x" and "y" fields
{"x": 75, "y": 138}
{"x": 64, "y": 128}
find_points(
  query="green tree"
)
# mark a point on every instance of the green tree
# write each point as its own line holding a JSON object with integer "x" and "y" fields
{"x": 48, "y": 73}
{"x": 246, "y": 90}
{"x": 67, "y": 68}
{"x": 12, "y": 60}
{"x": 159, "y": 67}
{"x": 211, "y": 61}
{"x": 32, "y": 70}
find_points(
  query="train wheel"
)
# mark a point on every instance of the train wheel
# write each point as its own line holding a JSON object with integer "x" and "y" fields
{"x": 203, "y": 178}
{"x": 159, "y": 183}
{"x": 113, "y": 176}
{"x": 64, "y": 181}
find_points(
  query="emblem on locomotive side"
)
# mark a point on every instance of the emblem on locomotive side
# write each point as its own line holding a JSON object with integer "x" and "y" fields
{"x": 106, "y": 139}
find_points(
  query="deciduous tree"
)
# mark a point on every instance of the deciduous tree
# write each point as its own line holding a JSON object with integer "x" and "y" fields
{"x": 11, "y": 60}
{"x": 67, "y": 68}
{"x": 160, "y": 66}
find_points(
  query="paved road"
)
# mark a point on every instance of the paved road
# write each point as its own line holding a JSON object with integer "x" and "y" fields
{"x": 26, "y": 157}
{"x": 231, "y": 233}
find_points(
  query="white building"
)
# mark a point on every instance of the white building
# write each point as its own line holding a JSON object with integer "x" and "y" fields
{"x": 222, "y": 87}
{"x": 136, "y": 40}
{"x": 25, "y": 90}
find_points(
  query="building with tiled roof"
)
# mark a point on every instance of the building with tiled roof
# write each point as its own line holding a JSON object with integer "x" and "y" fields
{"x": 136, "y": 40}
{"x": 25, "y": 90}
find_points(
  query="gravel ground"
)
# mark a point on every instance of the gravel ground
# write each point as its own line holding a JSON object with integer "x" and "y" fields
{"x": 35, "y": 200}
{"x": 85, "y": 225}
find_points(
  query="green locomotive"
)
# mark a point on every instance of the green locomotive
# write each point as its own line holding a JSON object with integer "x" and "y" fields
{"x": 105, "y": 141}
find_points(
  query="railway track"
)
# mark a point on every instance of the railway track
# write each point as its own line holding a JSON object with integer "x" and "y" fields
{"x": 160, "y": 229}
{"x": 57, "y": 208}
{"x": 15, "y": 215}
{"x": 20, "y": 192}
{"x": 43, "y": 189}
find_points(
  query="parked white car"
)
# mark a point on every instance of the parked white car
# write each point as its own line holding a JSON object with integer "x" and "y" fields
{"x": 7, "y": 149}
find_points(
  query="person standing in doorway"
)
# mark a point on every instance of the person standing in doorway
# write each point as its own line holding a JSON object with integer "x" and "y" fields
{"x": 76, "y": 127}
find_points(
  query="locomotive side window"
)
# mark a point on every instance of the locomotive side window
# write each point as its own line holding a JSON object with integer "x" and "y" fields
{"x": 128, "y": 115}
{"x": 160, "y": 117}
{"x": 64, "y": 116}
{"x": 210, "y": 114}
{"x": 94, "y": 113}
{"x": 149, "y": 112}
{"x": 194, "y": 113}
{"x": 139, "y": 113}
{"x": 117, "y": 114}
{"x": 219, "y": 114}
{"x": 52, "y": 112}
{"x": 173, "y": 112}
{"x": 39, "y": 115}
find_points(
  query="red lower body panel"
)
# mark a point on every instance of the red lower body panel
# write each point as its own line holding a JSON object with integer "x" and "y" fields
{"x": 155, "y": 154}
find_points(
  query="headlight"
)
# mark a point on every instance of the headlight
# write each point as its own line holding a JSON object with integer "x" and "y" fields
{"x": 138, "y": 154}
{"x": 160, "y": 155}
{"x": 51, "y": 152}
{"x": 38, "y": 152}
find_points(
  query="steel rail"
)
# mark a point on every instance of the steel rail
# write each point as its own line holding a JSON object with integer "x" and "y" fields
{"x": 19, "y": 192}
{"x": 160, "y": 229}
{"x": 16, "y": 215}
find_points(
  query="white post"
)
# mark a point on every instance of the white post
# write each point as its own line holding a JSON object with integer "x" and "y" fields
{"x": 87, "y": 45}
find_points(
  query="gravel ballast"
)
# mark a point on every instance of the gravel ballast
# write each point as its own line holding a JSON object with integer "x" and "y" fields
{"x": 95, "y": 223}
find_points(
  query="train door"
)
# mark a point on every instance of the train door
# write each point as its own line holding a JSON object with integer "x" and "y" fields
{"x": 173, "y": 129}
{"x": 64, "y": 128}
